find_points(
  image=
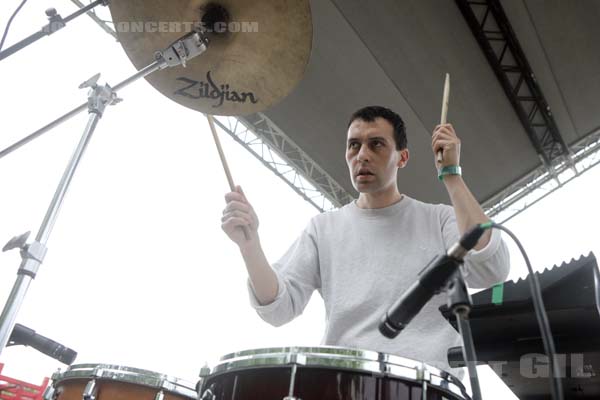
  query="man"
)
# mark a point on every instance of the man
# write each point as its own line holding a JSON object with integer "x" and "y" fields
{"x": 364, "y": 255}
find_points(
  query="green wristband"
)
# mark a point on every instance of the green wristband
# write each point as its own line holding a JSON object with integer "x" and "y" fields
{"x": 449, "y": 170}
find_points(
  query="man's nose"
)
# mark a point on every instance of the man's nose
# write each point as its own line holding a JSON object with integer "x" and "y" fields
{"x": 363, "y": 154}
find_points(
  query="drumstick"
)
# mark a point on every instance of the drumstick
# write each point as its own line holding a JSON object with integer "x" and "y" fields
{"x": 444, "y": 118}
{"x": 211, "y": 122}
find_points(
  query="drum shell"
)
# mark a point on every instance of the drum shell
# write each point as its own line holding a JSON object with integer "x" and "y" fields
{"x": 107, "y": 389}
{"x": 115, "y": 382}
{"x": 273, "y": 383}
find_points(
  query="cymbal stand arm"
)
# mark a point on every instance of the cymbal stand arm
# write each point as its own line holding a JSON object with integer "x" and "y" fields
{"x": 55, "y": 22}
{"x": 177, "y": 53}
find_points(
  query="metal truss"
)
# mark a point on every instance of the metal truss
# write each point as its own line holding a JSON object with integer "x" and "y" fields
{"x": 541, "y": 182}
{"x": 495, "y": 36}
{"x": 263, "y": 139}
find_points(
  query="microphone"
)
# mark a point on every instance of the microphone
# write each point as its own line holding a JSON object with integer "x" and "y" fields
{"x": 27, "y": 337}
{"x": 431, "y": 280}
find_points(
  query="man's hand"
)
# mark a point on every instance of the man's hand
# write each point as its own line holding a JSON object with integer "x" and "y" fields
{"x": 467, "y": 209}
{"x": 444, "y": 138}
{"x": 237, "y": 214}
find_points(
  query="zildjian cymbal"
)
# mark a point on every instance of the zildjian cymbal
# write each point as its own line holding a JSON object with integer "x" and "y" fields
{"x": 257, "y": 51}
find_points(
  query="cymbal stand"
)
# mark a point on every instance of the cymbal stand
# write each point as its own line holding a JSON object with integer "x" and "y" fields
{"x": 32, "y": 254}
{"x": 55, "y": 22}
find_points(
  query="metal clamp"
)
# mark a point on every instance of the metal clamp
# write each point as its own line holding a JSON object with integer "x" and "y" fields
{"x": 182, "y": 50}
{"x": 32, "y": 254}
{"x": 55, "y": 21}
{"x": 99, "y": 96}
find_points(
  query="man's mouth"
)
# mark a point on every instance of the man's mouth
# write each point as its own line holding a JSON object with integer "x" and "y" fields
{"x": 364, "y": 172}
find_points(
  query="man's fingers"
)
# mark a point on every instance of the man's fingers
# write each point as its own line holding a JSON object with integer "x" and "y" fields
{"x": 444, "y": 136}
{"x": 444, "y": 131}
{"x": 233, "y": 223}
{"x": 234, "y": 196}
{"x": 447, "y": 129}
{"x": 239, "y": 189}
{"x": 442, "y": 144}
{"x": 236, "y": 214}
{"x": 237, "y": 205}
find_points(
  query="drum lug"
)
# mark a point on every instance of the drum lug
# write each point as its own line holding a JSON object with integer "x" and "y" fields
{"x": 295, "y": 362}
{"x": 208, "y": 394}
{"x": 160, "y": 396}
{"x": 50, "y": 393}
{"x": 424, "y": 376}
{"x": 90, "y": 391}
{"x": 204, "y": 373}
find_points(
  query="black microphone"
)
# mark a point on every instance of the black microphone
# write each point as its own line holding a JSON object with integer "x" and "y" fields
{"x": 27, "y": 337}
{"x": 431, "y": 280}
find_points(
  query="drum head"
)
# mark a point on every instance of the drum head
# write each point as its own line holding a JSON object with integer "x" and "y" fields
{"x": 377, "y": 373}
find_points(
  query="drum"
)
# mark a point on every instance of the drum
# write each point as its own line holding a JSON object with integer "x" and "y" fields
{"x": 325, "y": 373}
{"x": 113, "y": 382}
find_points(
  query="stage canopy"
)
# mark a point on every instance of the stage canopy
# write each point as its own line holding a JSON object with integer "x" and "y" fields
{"x": 525, "y": 85}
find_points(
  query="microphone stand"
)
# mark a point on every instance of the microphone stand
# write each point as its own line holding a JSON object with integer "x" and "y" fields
{"x": 55, "y": 22}
{"x": 459, "y": 301}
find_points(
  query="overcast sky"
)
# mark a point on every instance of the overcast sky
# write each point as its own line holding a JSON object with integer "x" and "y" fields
{"x": 138, "y": 271}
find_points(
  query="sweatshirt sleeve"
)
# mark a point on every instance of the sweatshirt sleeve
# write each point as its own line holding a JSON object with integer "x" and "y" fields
{"x": 297, "y": 277}
{"x": 482, "y": 268}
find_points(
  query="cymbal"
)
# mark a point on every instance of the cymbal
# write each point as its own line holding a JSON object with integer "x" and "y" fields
{"x": 257, "y": 52}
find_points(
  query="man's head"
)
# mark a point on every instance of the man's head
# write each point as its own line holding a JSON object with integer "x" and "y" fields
{"x": 375, "y": 149}
{"x": 370, "y": 113}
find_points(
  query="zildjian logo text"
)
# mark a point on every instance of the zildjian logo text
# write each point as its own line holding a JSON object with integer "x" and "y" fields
{"x": 210, "y": 90}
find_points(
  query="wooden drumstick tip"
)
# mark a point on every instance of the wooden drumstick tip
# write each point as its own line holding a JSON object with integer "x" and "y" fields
{"x": 444, "y": 117}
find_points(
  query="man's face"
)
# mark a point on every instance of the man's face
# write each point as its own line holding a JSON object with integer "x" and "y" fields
{"x": 371, "y": 155}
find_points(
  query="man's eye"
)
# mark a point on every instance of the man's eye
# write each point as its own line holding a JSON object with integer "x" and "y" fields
{"x": 353, "y": 145}
{"x": 377, "y": 143}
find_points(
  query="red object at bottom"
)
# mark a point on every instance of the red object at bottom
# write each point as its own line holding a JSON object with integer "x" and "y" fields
{"x": 14, "y": 389}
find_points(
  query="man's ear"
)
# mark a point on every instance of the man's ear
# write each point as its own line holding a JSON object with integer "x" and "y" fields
{"x": 404, "y": 156}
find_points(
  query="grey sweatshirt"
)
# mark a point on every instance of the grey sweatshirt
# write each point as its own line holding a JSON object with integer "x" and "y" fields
{"x": 362, "y": 260}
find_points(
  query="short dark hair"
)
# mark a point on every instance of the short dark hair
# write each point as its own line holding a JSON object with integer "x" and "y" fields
{"x": 369, "y": 114}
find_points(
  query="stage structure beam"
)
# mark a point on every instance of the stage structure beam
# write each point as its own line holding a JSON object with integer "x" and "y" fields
{"x": 493, "y": 31}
